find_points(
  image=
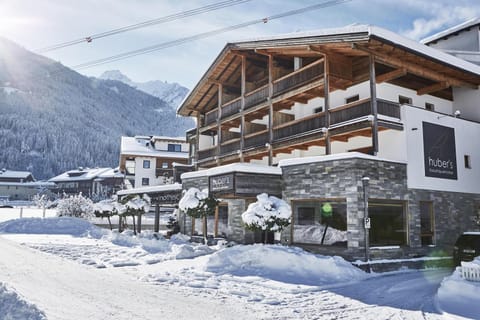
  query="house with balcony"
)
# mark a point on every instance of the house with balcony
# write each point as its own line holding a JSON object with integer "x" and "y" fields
{"x": 312, "y": 117}
{"x": 150, "y": 160}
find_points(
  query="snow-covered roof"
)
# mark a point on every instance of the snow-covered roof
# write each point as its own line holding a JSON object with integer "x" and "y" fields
{"x": 234, "y": 167}
{"x": 449, "y": 31}
{"x": 14, "y": 174}
{"x": 331, "y": 157}
{"x": 380, "y": 33}
{"x": 132, "y": 146}
{"x": 79, "y": 174}
{"x": 151, "y": 189}
{"x": 33, "y": 184}
{"x": 111, "y": 173}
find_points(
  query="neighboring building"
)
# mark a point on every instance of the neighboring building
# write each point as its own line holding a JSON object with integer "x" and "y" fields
{"x": 20, "y": 185}
{"x": 306, "y": 116}
{"x": 149, "y": 160}
{"x": 95, "y": 182}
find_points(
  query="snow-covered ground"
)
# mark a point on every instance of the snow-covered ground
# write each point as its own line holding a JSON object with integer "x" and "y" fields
{"x": 64, "y": 268}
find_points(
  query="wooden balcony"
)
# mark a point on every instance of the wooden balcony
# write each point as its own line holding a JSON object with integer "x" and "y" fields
{"x": 298, "y": 78}
{"x": 231, "y": 107}
{"x": 211, "y": 117}
{"x": 207, "y": 153}
{"x": 230, "y": 147}
{"x": 299, "y": 126}
{"x": 164, "y": 172}
{"x": 257, "y": 139}
{"x": 256, "y": 97}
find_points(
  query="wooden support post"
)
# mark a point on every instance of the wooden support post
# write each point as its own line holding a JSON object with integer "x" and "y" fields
{"x": 156, "y": 226}
{"x": 326, "y": 76}
{"x": 270, "y": 110}
{"x": 242, "y": 107}
{"x": 219, "y": 118}
{"x": 197, "y": 140}
{"x": 139, "y": 223}
{"x": 373, "y": 102}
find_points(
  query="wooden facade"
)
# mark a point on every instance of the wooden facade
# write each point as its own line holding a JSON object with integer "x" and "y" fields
{"x": 262, "y": 80}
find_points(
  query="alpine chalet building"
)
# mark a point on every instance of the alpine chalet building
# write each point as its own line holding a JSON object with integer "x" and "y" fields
{"x": 338, "y": 117}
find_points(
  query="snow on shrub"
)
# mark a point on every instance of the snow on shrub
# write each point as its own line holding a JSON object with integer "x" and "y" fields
{"x": 197, "y": 204}
{"x": 75, "y": 206}
{"x": 269, "y": 213}
{"x": 133, "y": 205}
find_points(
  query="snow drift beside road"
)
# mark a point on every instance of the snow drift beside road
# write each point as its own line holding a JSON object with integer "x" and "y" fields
{"x": 13, "y": 307}
{"x": 58, "y": 225}
{"x": 459, "y": 296}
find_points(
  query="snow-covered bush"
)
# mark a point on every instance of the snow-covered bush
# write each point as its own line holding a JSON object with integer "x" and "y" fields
{"x": 269, "y": 213}
{"x": 197, "y": 204}
{"x": 75, "y": 206}
{"x": 135, "y": 205}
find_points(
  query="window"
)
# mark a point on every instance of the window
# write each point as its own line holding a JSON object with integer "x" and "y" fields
{"x": 426, "y": 223}
{"x": 146, "y": 164}
{"x": 388, "y": 225}
{"x": 321, "y": 222}
{"x": 164, "y": 165}
{"x": 404, "y": 100}
{"x": 352, "y": 99}
{"x": 466, "y": 160}
{"x": 174, "y": 147}
{"x": 429, "y": 106}
{"x": 318, "y": 109}
{"x": 221, "y": 221}
{"x": 145, "y": 181}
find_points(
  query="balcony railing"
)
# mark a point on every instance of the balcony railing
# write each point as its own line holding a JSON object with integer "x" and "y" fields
{"x": 300, "y": 126}
{"x": 298, "y": 78}
{"x": 256, "y": 97}
{"x": 230, "y": 147}
{"x": 211, "y": 117}
{"x": 231, "y": 107}
{"x": 207, "y": 153}
{"x": 388, "y": 108}
{"x": 163, "y": 172}
{"x": 256, "y": 140}
{"x": 350, "y": 111}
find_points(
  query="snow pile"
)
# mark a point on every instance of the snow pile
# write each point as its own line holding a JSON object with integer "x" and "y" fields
{"x": 285, "y": 264}
{"x": 191, "y": 199}
{"x": 57, "y": 225}
{"x": 268, "y": 213}
{"x": 13, "y": 307}
{"x": 459, "y": 296}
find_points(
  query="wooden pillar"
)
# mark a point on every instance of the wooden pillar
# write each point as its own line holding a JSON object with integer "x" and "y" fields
{"x": 326, "y": 77}
{"x": 139, "y": 223}
{"x": 219, "y": 118}
{"x": 373, "y": 103}
{"x": 156, "y": 224}
{"x": 270, "y": 110}
{"x": 197, "y": 140}
{"x": 242, "y": 107}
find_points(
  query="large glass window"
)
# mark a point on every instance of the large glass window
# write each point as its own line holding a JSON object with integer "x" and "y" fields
{"x": 426, "y": 223}
{"x": 388, "y": 225}
{"x": 322, "y": 222}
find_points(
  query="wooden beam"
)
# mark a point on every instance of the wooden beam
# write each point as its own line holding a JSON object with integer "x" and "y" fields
{"x": 298, "y": 99}
{"x": 397, "y": 73}
{"x": 433, "y": 88}
{"x": 414, "y": 68}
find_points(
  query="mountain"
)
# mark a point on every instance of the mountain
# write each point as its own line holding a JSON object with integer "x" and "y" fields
{"x": 53, "y": 119}
{"x": 172, "y": 93}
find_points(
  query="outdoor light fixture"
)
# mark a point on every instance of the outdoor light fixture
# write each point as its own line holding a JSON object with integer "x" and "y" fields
{"x": 324, "y": 130}
{"x": 365, "y": 182}
{"x": 456, "y": 114}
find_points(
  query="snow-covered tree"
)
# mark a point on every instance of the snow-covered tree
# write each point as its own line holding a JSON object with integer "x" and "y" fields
{"x": 135, "y": 206}
{"x": 198, "y": 204}
{"x": 268, "y": 214}
{"x": 75, "y": 206}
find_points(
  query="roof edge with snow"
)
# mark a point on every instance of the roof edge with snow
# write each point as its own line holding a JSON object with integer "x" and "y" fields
{"x": 332, "y": 157}
{"x": 234, "y": 167}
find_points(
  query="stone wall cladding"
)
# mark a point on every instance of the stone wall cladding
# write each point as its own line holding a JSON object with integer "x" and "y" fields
{"x": 342, "y": 179}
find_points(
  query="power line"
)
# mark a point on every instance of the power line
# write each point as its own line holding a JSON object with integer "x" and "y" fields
{"x": 180, "y": 41}
{"x": 172, "y": 17}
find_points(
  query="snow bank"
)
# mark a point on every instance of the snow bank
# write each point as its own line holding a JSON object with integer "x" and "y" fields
{"x": 56, "y": 225}
{"x": 285, "y": 264}
{"x": 459, "y": 296}
{"x": 13, "y": 307}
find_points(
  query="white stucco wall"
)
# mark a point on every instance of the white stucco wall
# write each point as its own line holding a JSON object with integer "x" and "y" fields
{"x": 467, "y": 101}
{"x": 141, "y": 172}
{"x": 466, "y": 135}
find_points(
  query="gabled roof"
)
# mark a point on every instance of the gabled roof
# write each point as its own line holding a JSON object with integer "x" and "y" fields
{"x": 352, "y": 41}
{"x": 136, "y": 146}
{"x": 83, "y": 174}
{"x": 448, "y": 32}
{"x": 10, "y": 174}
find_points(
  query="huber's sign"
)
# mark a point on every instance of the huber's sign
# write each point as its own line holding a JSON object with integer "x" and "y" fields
{"x": 439, "y": 151}
{"x": 221, "y": 183}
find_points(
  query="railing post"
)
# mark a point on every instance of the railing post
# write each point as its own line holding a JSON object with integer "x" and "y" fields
{"x": 242, "y": 107}
{"x": 219, "y": 125}
{"x": 373, "y": 102}
{"x": 270, "y": 110}
{"x": 326, "y": 81}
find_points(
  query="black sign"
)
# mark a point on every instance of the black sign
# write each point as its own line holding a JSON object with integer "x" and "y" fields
{"x": 167, "y": 198}
{"x": 439, "y": 151}
{"x": 222, "y": 183}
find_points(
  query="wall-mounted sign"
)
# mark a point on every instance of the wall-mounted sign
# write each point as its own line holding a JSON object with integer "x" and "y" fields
{"x": 222, "y": 183}
{"x": 167, "y": 198}
{"x": 439, "y": 151}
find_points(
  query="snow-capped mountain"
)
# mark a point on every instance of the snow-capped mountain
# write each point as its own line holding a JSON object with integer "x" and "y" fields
{"x": 172, "y": 93}
{"x": 54, "y": 119}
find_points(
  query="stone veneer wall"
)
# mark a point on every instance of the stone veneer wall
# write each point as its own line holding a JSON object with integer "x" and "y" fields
{"x": 341, "y": 178}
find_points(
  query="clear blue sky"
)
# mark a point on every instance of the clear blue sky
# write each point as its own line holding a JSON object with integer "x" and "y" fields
{"x": 38, "y": 23}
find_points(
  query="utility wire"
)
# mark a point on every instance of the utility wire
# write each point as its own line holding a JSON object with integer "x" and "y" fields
{"x": 180, "y": 41}
{"x": 172, "y": 17}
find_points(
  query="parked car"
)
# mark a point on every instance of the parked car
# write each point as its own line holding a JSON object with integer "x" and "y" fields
{"x": 467, "y": 247}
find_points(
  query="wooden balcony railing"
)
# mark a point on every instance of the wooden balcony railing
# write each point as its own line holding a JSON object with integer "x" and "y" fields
{"x": 258, "y": 139}
{"x": 303, "y": 125}
{"x": 256, "y": 96}
{"x": 350, "y": 111}
{"x": 298, "y": 78}
{"x": 164, "y": 172}
{"x": 388, "y": 108}
{"x": 230, "y": 147}
{"x": 207, "y": 153}
{"x": 211, "y": 117}
{"x": 231, "y": 107}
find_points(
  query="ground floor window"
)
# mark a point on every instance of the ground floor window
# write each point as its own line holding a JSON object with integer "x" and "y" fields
{"x": 426, "y": 223}
{"x": 217, "y": 224}
{"x": 322, "y": 222}
{"x": 388, "y": 223}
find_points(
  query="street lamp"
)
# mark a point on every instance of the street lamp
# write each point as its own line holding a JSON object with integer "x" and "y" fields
{"x": 365, "y": 181}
